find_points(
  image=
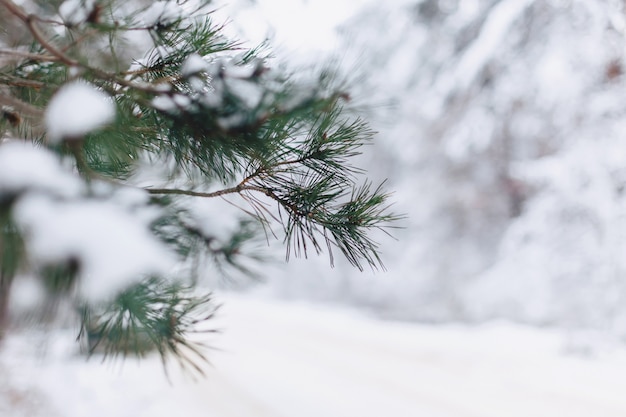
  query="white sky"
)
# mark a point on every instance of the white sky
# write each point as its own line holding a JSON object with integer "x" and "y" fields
{"x": 302, "y": 27}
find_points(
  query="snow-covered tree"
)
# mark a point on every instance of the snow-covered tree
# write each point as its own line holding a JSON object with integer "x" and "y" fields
{"x": 128, "y": 129}
{"x": 510, "y": 118}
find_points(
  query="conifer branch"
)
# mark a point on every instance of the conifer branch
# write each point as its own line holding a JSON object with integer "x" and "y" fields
{"x": 32, "y": 26}
{"x": 14, "y": 9}
{"x": 59, "y": 54}
{"x": 14, "y": 81}
{"x": 21, "y": 106}
{"x": 237, "y": 189}
{"x": 230, "y": 120}
{"x": 28, "y": 55}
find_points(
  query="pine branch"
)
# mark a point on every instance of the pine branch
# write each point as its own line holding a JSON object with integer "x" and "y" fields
{"x": 28, "y": 55}
{"x": 60, "y": 55}
{"x": 153, "y": 315}
{"x": 21, "y": 106}
{"x": 311, "y": 213}
{"x": 237, "y": 189}
{"x": 15, "y": 9}
{"x": 287, "y": 147}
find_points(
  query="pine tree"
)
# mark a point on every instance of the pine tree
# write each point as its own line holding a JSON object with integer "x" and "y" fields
{"x": 94, "y": 94}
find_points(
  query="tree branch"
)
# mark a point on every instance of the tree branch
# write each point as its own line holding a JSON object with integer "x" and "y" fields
{"x": 30, "y": 21}
{"x": 28, "y": 55}
{"x": 14, "y": 81}
{"x": 19, "y": 105}
{"x": 233, "y": 190}
{"x": 15, "y": 9}
{"x": 34, "y": 30}
{"x": 59, "y": 55}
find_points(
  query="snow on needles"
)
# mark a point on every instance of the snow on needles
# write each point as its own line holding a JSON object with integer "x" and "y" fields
{"x": 113, "y": 248}
{"x": 25, "y": 167}
{"x": 75, "y": 12}
{"x": 160, "y": 13}
{"x": 77, "y": 109}
{"x": 193, "y": 65}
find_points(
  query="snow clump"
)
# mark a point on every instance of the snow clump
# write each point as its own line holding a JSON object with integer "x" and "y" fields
{"x": 160, "y": 13}
{"x": 113, "y": 247}
{"x": 77, "y": 109}
{"x": 75, "y": 12}
{"x": 193, "y": 65}
{"x": 171, "y": 103}
{"x": 26, "y": 167}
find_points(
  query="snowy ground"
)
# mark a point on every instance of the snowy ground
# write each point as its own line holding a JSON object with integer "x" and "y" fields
{"x": 292, "y": 360}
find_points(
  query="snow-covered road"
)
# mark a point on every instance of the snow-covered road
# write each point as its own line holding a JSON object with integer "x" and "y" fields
{"x": 292, "y": 360}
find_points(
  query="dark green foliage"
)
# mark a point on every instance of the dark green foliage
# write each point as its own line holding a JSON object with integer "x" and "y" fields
{"x": 60, "y": 278}
{"x": 153, "y": 315}
{"x": 115, "y": 151}
{"x": 11, "y": 245}
{"x": 201, "y": 37}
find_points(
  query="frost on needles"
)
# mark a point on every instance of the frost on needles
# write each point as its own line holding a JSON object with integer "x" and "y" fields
{"x": 116, "y": 118}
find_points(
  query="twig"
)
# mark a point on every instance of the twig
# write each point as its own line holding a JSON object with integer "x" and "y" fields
{"x": 8, "y": 100}
{"x": 15, "y": 9}
{"x": 14, "y": 81}
{"x": 30, "y": 21}
{"x": 233, "y": 190}
{"x": 77, "y": 41}
{"x": 34, "y": 30}
{"x": 28, "y": 55}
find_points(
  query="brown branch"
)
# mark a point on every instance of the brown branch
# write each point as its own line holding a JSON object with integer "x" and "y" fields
{"x": 15, "y": 9}
{"x": 77, "y": 41}
{"x": 19, "y": 105}
{"x": 103, "y": 75}
{"x": 28, "y": 55}
{"x": 34, "y": 30}
{"x": 30, "y": 21}
{"x": 14, "y": 81}
{"x": 140, "y": 71}
{"x": 233, "y": 190}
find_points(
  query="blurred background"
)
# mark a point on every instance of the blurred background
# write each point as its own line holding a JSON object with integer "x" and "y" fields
{"x": 501, "y": 130}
